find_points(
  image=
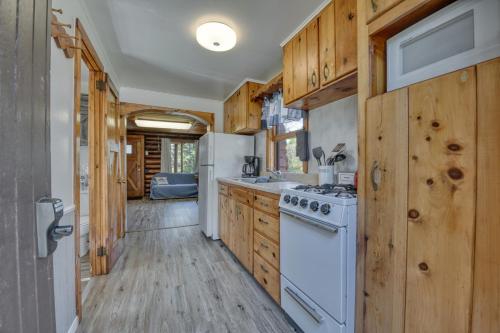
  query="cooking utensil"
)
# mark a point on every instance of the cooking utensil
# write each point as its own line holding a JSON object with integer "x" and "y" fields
{"x": 339, "y": 148}
{"x": 339, "y": 158}
{"x": 318, "y": 153}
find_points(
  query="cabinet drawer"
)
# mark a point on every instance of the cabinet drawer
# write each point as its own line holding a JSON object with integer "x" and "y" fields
{"x": 267, "y": 204}
{"x": 242, "y": 195}
{"x": 267, "y": 249}
{"x": 223, "y": 189}
{"x": 268, "y": 226}
{"x": 267, "y": 276}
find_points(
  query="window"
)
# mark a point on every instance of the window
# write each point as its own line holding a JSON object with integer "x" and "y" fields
{"x": 282, "y": 147}
{"x": 183, "y": 157}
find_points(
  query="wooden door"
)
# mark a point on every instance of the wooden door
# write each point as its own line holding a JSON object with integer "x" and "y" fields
{"x": 123, "y": 175}
{"x": 386, "y": 230}
{"x": 299, "y": 45}
{"x": 441, "y": 202}
{"x": 231, "y": 227}
{"x": 327, "y": 44}
{"x": 487, "y": 259}
{"x": 243, "y": 222}
{"x": 227, "y": 123}
{"x": 254, "y": 109}
{"x": 114, "y": 204}
{"x": 312, "y": 56}
{"x": 288, "y": 95}
{"x": 135, "y": 166}
{"x": 345, "y": 37}
{"x": 242, "y": 109}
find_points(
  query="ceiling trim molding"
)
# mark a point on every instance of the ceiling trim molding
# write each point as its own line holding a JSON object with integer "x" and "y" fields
{"x": 245, "y": 80}
{"x": 306, "y": 21}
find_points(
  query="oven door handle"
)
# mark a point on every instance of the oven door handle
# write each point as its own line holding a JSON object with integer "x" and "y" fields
{"x": 314, "y": 222}
{"x": 309, "y": 309}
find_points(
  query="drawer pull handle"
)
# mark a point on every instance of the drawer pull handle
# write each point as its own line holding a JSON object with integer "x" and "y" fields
{"x": 309, "y": 309}
{"x": 264, "y": 269}
{"x": 326, "y": 72}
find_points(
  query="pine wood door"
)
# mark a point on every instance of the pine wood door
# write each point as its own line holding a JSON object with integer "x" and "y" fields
{"x": 288, "y": 95}
{"x": 114, "y": 198}
{"x": 345, "y": 37}
{"x": 135, "y": 166}
{"x": 224, "y": 218}
{"x": 441, "y": 203}
{"x": 387, "y": 188}
{"x": 312, "y": 56}
{"x": 243, "y": 233}
{"x": 299, "y": 46}
{"x": 327, "y": 45}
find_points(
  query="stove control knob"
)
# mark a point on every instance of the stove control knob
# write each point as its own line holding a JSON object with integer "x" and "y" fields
{"x": 295, "y": 201}
{"x": 287, "y": 198}
{"x": 325, "y": 209}
{"x": 303, "y": 203}
{"x": 314, "y": 206}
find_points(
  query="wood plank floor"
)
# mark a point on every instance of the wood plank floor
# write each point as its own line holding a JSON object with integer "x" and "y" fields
{"x": 157, "y": 214}
{"x": 175, "y": 280}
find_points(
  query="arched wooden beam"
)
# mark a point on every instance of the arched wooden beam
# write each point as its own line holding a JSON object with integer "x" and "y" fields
{"x": 128, "y": 109}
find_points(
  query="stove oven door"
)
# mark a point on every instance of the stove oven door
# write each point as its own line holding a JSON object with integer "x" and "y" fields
{"x": 313, "y": 258}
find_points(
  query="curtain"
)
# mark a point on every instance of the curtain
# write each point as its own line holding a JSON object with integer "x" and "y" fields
{"x": 166, "y": 160}
{"x": 275, "y": 113}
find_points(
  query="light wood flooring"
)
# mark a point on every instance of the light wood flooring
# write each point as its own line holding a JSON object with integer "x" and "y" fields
{"x": 158, "y": 214}
{"x": 175, "y": 280}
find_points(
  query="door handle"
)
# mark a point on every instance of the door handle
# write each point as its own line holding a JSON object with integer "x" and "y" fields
{"x": 375, "y": 176}
{"x": 326, "y": 71}
{"x": 313, "y": 79}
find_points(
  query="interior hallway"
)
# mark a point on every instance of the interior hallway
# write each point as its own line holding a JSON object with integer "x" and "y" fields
{"x": 175, "y": 280}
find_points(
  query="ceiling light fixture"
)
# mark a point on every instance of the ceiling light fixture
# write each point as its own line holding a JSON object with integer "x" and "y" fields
{"x": 162, "y": 124}
{"x": 215, "y": 36}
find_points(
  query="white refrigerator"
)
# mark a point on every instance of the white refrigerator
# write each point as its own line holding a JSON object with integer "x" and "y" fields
{"x": 220, "y": 155}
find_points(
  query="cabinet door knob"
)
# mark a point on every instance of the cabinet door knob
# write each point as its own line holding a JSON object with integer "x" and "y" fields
{"x": 375, "y": 176}
{"x": 326, "y": 71}
{"x": 313, "y": 79}
{"x": 264, "y": 269}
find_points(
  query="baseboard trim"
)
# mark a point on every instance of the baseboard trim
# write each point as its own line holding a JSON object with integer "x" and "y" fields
{"x": 74, "y": 326}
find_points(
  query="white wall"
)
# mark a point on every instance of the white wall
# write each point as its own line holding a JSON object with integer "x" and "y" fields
{"x": 148, "y": 97}
{"x": 261, "y": 148}
{"x": 331, "y": 124}
{"x": 61, "y": 122}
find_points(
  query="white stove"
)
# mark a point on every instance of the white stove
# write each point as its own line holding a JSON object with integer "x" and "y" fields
{"x": 318, "y": 257}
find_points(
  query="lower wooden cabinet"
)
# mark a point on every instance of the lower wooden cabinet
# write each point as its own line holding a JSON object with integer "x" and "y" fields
{"x": 249, "y": 226}
{"x": 268, "y": 277}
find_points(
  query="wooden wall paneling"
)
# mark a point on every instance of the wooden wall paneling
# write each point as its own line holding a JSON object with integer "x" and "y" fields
{"x": 345, "y": 34}
{"x": 386, "y": 205}
{"x": 375, "y": 8}
{"x": 312, "y": 34}
{"x": 486, "y": 305}
{"x": 152, "y": 160}
{"x": 288, "y": 95}
{"x": 300, "y": 64}
{"x": 363, "y": 88}
{"x": 327, "y": 44}
{"x": 441, "y": 202}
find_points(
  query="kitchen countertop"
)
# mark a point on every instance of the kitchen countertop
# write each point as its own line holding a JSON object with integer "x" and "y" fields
{"x": 274, "y": 187}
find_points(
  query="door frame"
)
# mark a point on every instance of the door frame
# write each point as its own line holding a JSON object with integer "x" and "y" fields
{"x": 84, "y": 51}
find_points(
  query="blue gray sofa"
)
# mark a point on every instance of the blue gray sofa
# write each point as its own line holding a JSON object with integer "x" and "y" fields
{"x": 173, "y": 185}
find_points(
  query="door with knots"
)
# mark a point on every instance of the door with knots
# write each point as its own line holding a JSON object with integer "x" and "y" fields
{"x": 135, "y": 170}
{"x": 114, "y": 179}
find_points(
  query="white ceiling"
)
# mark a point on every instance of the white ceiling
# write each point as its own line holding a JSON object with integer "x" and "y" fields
{"x": 152, "y": 43}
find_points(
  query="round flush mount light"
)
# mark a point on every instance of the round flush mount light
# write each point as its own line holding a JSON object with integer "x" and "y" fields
{"x": 216, "y": 36}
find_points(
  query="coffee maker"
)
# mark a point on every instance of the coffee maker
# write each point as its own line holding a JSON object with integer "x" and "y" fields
{"x": 251, "y": 167}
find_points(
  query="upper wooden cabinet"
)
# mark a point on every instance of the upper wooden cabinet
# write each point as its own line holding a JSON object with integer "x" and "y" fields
{"x": 241, "y": 115}
{"x": 320, "y": 62}
{"x": 327, "y": 44}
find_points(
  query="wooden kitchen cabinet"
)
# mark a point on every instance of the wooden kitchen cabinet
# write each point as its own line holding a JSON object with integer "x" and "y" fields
{"x": 243, "y": 234}
{"x": 345, "y": 37}
{"x": 327, "y": 44}
{"x": 320, "y": 62}
{"x": 421, "y": 149}
{"x": 249, "y": 224}
{"x": 241, "y": 115}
